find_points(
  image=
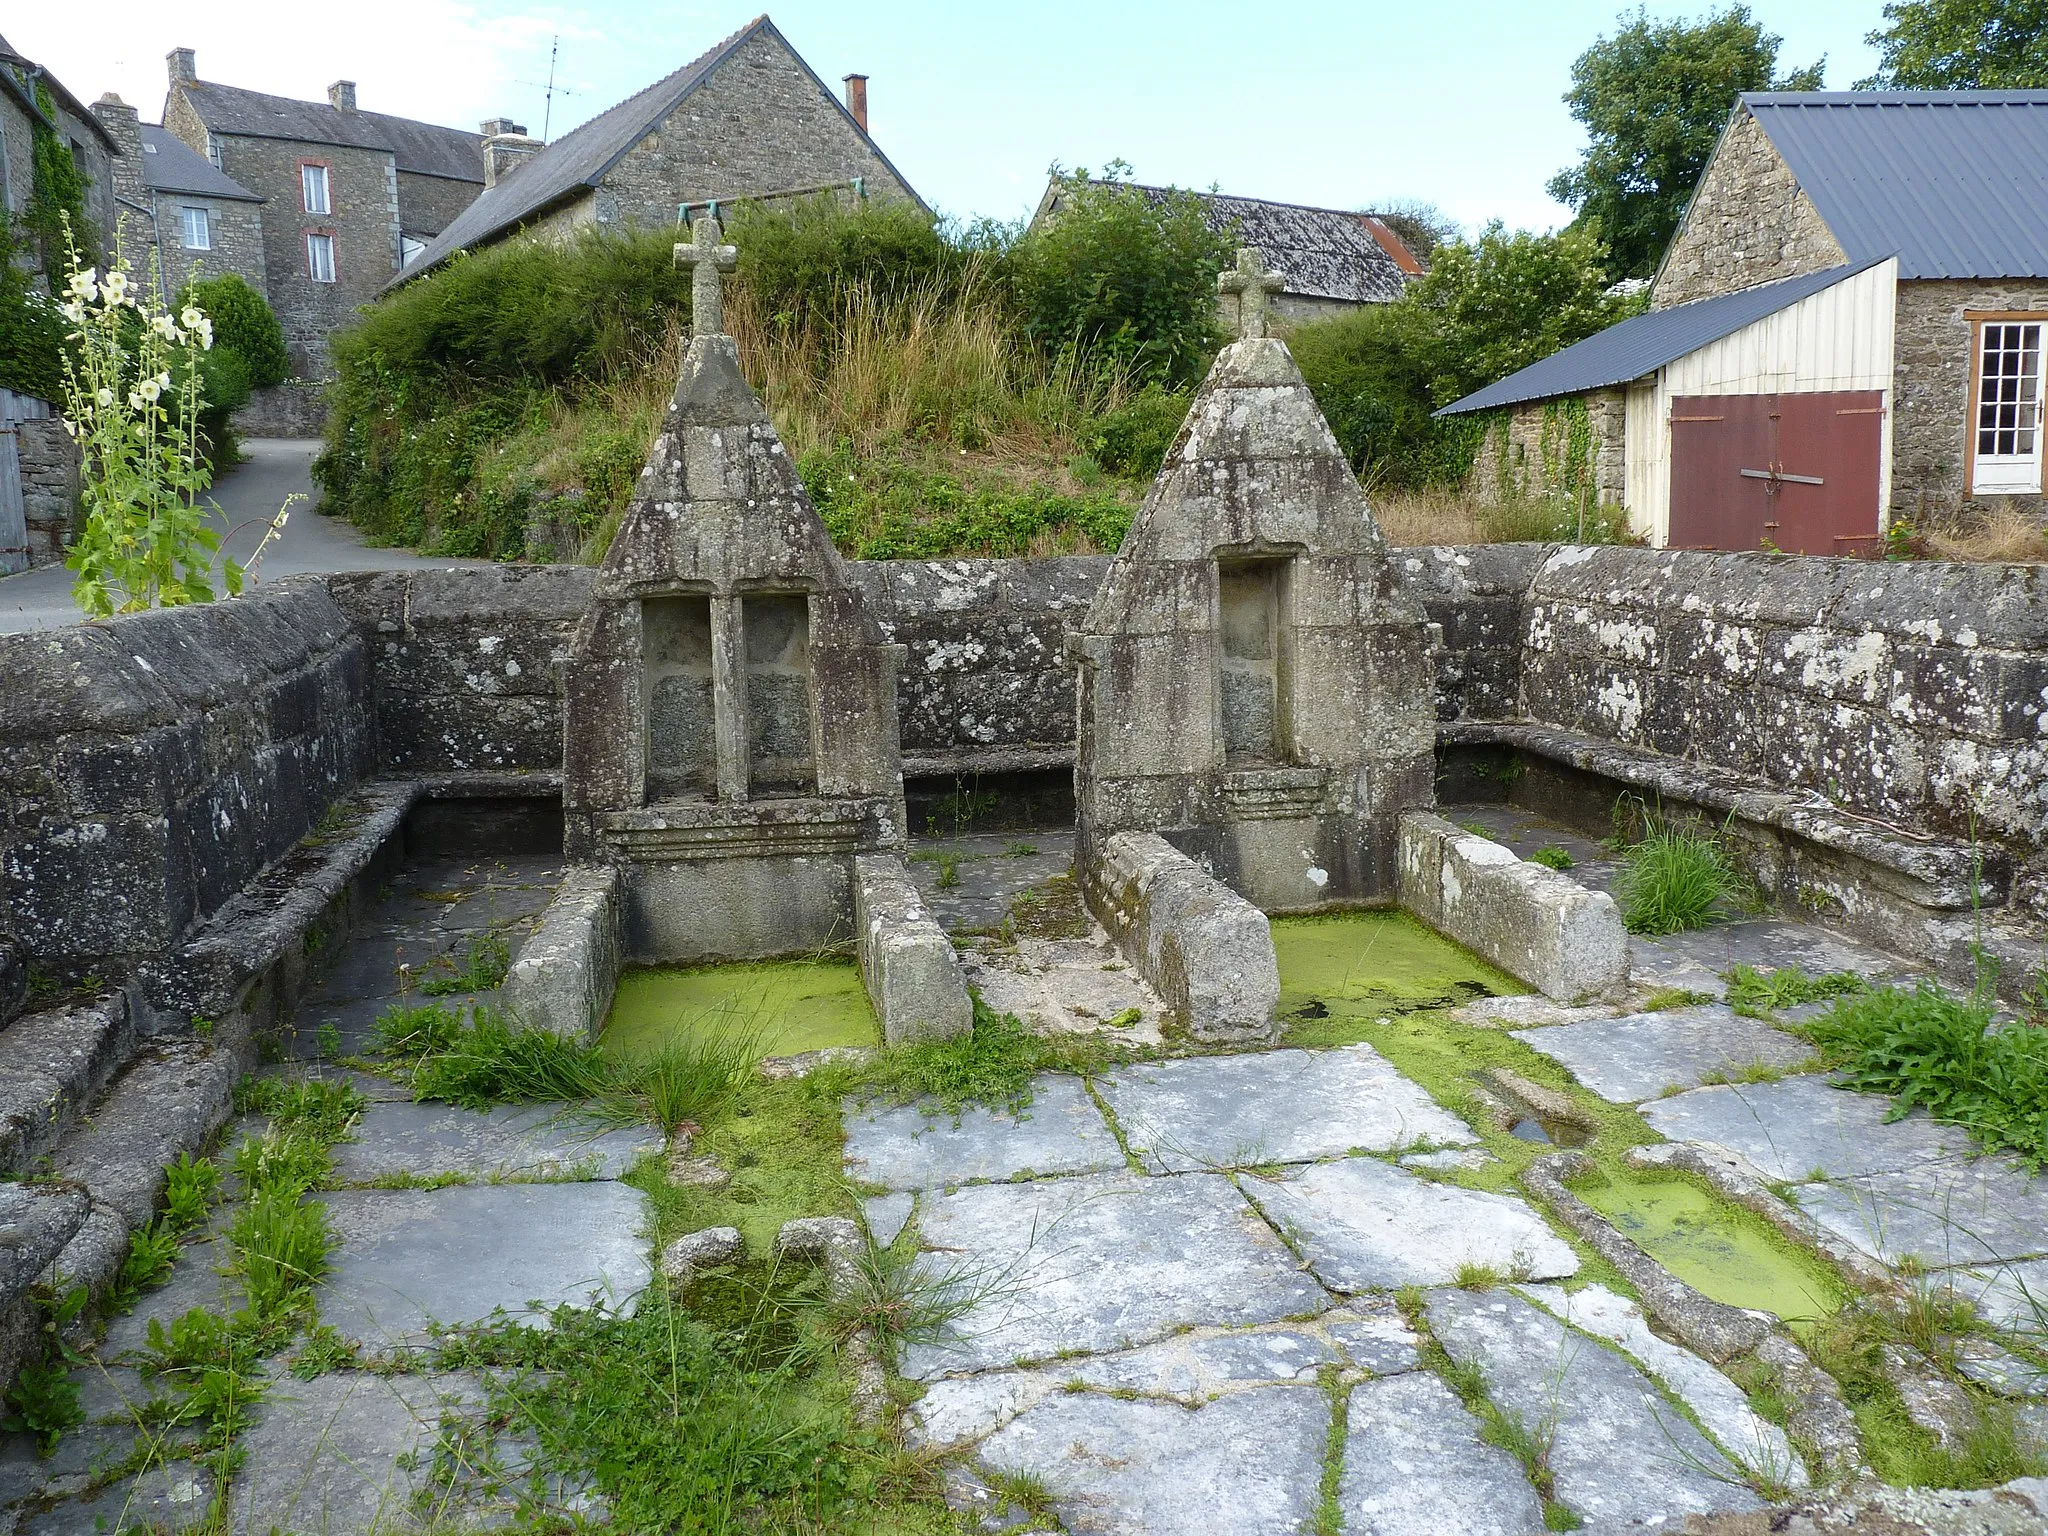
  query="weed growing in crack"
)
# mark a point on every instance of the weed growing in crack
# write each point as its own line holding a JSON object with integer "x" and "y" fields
{"x": 1329, "y": 1518}
{"x": 1553, "y": 857}
{"x": 415, "y": 1030}
{"x": 190, "y": 1185}
{"x": 1675, "y": 880}
{"x": 44, "y": 1399}
{"x": 490, "y": 1062}
{"x": 1758, "y": 994}
{"x": 281, "y": 1246}
{"x": 992, "y": 1064}
{"x": 688, "y": 1079}
{"x": 484, "y": 966}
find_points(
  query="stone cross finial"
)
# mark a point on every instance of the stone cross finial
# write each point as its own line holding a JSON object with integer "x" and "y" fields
{"x": 709, "y": 258}
{"x": 1251, "y": 283}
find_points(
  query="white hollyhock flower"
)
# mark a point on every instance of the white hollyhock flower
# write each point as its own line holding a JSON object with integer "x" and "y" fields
{"x": 85, "y": 285}
{"x": 105, "y": 396}
{"x": 73, "y": 311}
{"x": 149, "y": 390}
{"x": 115, "y": 287}
{"x": 163, "y": 380}
{"x": 136, "y": 403}
{"x": 192, "y": 319}
{"x": 165, "y": 327}
{"x": 205, "y": 330}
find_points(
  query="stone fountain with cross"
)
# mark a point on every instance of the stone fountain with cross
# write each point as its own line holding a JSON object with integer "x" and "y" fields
{"x": 1254, "y": 689}
{"x": 730, "y": 708}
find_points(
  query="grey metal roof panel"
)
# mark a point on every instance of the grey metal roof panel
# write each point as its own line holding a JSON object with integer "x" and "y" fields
{"x": 425, "y": 149}
{"x": 1954, "y": 182}
{"x": 1643, "y": 344}
{"x": 169, "y": 164}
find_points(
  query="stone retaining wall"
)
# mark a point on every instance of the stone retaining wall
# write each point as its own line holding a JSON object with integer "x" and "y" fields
{"x": 296, "y": 408}
{"x": 149, "y": 766}
{"x": 1917, "y": 693}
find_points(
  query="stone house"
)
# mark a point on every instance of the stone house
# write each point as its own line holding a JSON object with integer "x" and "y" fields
{"x": 198, "y": 220}
{"x": 746, "y": 121}
{"x": 1846, "y": 330}
{"x": 346, "y": 194}
{"x": 21, "y": 112}
{"x": 1329, "y": 261}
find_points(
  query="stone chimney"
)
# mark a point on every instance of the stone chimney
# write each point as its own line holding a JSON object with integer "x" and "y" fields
{"x": 505, "y": 146}
{"x": 857, "y": 99}
{"x": 342, "y": 95}
{"x": 124, "y": 126}
{"x": 184, "y": 65}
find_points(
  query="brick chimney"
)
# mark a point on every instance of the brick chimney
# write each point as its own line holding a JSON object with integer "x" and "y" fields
{"x": 857, "y": 99}
{"x": 184, "y": 65}
{"x": 124, "y": 126}
{"x": 505, "y": 146}
{"x": 342, "y": 95}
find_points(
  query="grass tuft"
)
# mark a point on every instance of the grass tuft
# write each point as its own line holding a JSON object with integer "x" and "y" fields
{"x": 1757, "y": 993}
{"x": 1675, "y": 880}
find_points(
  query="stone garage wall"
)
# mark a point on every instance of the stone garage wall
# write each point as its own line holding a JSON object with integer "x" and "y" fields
{"x": 466, "y": 662}
{"x": 1917, "y": 692}
{"x": 149, "y": 766}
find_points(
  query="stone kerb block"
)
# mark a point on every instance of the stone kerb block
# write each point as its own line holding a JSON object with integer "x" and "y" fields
{"x": 1534, "y": 923}
{"x": 563, "y": 980}
{"x": 1204, "y": 949}
{"x": 906, "y": 960}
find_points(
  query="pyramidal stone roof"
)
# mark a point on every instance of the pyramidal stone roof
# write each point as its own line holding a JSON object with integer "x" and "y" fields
{"x": 719, "y": 501}
{"x": 1255, "y": 469}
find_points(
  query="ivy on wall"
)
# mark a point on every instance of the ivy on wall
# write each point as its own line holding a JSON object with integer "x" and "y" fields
{"x": 57, "y": 191}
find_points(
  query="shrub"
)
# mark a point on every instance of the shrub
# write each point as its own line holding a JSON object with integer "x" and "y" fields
{"x": 1674, "y": 880}
{"x": 800, "y": 263}
{"x": 32, "y": 333}
{"x": 242, "y": 324}
{"x": 895, "y": 511}
{"x": 1133, "y": 439}
{"x": 1372, "y": 373}
{"x": 1124, "y": 274}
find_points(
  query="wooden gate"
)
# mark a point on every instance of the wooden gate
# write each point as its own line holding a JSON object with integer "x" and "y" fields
{"x": 1792, "y": 472}
{"x": 14, "y": 410}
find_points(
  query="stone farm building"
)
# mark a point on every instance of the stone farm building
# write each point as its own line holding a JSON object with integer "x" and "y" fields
{"x": 199, "y": 220}
{"x": 347, "y": 194}
{"x": 1846, "y": 329}
{"x": 748, "y": 120}
{"x": 1329, "y": 261}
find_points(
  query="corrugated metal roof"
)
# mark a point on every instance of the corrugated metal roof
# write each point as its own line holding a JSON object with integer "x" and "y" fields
{"x": 169, "y": 164}
{"x": 1647, "y": 342}
{"x": 1954, "y": 182}
{"x": 583, "y": 156}
{"x": 422, "y": 149}
{"x": 1323, "y": 253}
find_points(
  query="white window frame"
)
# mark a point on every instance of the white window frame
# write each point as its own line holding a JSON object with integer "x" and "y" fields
{"x": 199, "y": 221}
{"x": 320, "y": 255}
{"x": 316, "y": 187}
{"x": 2006, "y": 406}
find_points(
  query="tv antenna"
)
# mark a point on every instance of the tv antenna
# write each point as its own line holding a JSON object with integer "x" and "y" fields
{"x": 553, "y": 90}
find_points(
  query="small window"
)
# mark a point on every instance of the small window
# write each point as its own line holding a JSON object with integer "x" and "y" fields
{"x": 408, "y": 248}
{"x": 213, "y": 150}
{"x": 2007, "y": 432}
{"x": 313, "y": 186}
{"x": 198, "y": 231}
{"x": 320, "y": 258}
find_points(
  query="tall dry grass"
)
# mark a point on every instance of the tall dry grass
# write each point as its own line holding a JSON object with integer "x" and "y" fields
{"x": 1458, "y": 517}
{"x": 1999, "y": 535}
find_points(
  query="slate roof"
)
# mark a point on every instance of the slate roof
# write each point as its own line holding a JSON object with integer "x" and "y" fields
{"x": 1954, "y": 182}
{"x": 20, "y": 75}
{"x": 169, "y": 164}
{"x": 1635, "y": 347}
{"x": 1324, "y": 253}
{"x": 423, "y": 149}
{"x": 583, "y": 156}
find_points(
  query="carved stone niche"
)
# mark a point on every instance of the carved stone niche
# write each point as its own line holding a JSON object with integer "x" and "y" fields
{"x": 729, "y": 703}
{"x": 1252, "y": 685}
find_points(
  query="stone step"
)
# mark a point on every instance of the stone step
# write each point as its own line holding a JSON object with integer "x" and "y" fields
{"x": 170, "y": 1100}
{"x": 37, "y": 1221}
{"x": 51, "y": 1066}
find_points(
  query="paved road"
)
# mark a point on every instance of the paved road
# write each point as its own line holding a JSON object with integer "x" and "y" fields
{"x": 248, "y": 496}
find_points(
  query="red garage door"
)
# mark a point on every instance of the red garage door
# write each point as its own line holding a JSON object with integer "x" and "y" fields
{"x": 1791, "y": 472}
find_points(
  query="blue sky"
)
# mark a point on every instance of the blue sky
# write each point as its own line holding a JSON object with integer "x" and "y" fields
{"x": 1345, "y": 105}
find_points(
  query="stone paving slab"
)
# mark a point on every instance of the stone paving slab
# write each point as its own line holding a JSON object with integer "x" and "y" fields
{"x": 921, "y": 1146}
{"x": 1943, "y": 1214}
{"x": 1272, "y": 1107}
{"x": 1646, "y": 1055}
{"x": 195, "y": 1281}
{"x": 990, "y": 870}
{"x": 1622, "y": 1457}
{"x": 1696, "y": 960}
{"x": 455, "y": 1255}
{"x": 1749, "y": 1439}
{"x": 1247, "y": 1465}
{"x": 1068, "y": 986}
{"x": 508, "y": 1141}
{"x": 1099, "y": 1262}
{"x": 2013, "y": 1296}
{"x": 343, "y": 1454}
{"x": 175, "y": 1497}
{"x": 1804, "y": 1127}
{"x": 1363, "y": 1225}
{"x": 887, "y": 1215}
{"x": 1414, "y": 1465}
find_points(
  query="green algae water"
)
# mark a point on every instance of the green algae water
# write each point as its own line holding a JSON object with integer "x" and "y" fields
{"x": 1718, "y": 1250}
{"x": 793, "y": 1005}
{"x": 1368, "y": 964}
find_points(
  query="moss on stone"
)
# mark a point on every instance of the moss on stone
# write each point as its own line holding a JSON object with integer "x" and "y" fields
{"x": 792, "y": 1005}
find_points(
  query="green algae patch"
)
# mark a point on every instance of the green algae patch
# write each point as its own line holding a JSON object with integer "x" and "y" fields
{"x": 1366, "y": 964}
{"x": 789, "y": 1005}
{"x": 1716, "y": 1248}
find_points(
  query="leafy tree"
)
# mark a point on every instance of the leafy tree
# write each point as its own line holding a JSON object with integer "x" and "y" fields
{"x": 1953, "y": 45}
{"x": 1123, "y": 273}
{"x": 1484, "y": 310}
{"x": 1653, "y": 99}
{"x": 243, "y": 325}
